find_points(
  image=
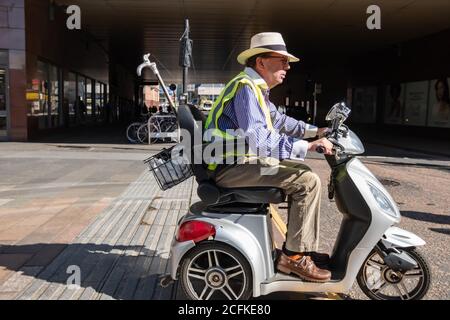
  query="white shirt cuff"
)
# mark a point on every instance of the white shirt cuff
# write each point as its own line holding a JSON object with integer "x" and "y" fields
{"x": 310, "y": 131}
{"x": 299, "y": 150}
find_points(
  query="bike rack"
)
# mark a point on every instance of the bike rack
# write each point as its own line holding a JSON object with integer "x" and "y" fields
{"x": 173, "y": 135}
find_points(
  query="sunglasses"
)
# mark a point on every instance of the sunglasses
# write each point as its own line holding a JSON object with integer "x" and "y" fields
{"x": 284, "y": 60}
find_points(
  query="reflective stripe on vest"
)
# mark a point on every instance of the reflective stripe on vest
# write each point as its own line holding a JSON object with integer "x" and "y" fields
{"x": 226, "y": 96}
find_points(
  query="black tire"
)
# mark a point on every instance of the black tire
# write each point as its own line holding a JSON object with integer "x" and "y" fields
{"x": 142, "y": 133}
{"x": 226, "y": 256}
{"x": 417, "y": 293}
{"x": 131, "y": 132}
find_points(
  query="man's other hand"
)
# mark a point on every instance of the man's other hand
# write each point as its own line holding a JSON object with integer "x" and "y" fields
{"x": 323, "y": 142}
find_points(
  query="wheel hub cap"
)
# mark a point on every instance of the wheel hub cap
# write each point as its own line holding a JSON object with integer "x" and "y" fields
{"x": 392, "y": 276}
{"x": 216, "y": 278}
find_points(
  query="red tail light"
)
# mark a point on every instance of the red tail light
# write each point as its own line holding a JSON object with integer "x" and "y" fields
{"x": 195, "y": 230}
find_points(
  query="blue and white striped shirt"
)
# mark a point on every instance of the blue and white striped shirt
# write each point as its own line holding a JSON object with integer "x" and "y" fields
{"x": 244, "y": 112}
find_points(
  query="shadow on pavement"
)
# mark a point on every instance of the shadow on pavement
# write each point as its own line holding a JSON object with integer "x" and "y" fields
{"x": 120, "y": 272}
{"x": 110, "y": 134}
{"x": 425, "y": 216}
{"x": 380, "y": 150}
{"x": 428, "y": 165}
{"x": 441, "y": 230}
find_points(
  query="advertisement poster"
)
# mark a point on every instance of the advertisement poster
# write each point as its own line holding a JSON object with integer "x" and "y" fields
{"x": 439, "y": 103}
{"x": 416, "y": 97}
{"x": 364, "y": 105}
{"x": 394, "y": 103}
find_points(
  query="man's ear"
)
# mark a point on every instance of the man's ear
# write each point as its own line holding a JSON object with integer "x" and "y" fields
{"x": 260, "y": 62}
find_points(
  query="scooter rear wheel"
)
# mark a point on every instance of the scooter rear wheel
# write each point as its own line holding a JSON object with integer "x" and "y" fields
{"x": 387, "y": 284}
{"x": 213, "y": 270}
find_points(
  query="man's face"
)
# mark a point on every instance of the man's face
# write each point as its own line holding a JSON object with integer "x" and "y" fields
{"x": 273, "y": 68}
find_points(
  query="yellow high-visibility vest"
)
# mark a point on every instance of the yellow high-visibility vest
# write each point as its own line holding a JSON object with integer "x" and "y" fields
{"x": 224, "y": 98}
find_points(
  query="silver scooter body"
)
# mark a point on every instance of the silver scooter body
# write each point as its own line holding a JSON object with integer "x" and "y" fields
{"x": 369, "y": 213}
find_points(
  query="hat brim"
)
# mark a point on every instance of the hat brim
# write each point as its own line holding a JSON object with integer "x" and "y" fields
{"x": 244, "y": 55}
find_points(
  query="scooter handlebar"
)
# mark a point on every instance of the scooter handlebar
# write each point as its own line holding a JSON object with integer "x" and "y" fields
{"x": 320, "y": 149}
{"x": 337, "y": 147}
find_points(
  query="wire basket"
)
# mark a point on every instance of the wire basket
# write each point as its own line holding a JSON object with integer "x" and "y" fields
{"x": 169, "y": 172}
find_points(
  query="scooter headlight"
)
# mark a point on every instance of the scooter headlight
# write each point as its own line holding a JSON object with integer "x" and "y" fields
{"x": 383, "y": 202}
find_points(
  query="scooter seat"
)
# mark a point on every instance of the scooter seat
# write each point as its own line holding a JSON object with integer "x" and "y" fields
{"x": 211, "y": 194}
{"x": 255, "y": 194}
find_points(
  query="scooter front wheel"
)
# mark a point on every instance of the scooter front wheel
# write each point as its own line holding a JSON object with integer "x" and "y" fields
{"x": 379, "y": 282}
{"x": 214, "y": 270}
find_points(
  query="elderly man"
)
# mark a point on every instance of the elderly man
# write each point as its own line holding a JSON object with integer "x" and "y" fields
{"x": 277, "y": 139}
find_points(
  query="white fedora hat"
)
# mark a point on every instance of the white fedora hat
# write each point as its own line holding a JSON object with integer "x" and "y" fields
{"x": 266, "y": 42}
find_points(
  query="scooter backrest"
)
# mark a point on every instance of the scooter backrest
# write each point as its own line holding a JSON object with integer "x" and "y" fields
{"x": 192, "y": 120}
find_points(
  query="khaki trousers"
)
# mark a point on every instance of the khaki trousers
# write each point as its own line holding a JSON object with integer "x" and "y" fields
{"x": 302, "y": 186}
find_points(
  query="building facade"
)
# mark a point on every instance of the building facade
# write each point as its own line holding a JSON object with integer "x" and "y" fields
{"x": 52, "y": 77}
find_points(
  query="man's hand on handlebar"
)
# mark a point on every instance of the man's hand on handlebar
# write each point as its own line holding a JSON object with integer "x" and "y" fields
{"x": 322, "y": 145}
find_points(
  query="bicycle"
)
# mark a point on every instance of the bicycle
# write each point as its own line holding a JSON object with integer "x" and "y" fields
{"x": 133, "y": 129}
{"x": 159, "y": 124}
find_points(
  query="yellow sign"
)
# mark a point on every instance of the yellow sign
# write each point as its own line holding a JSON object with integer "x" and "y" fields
{"x": 32, "y": 96}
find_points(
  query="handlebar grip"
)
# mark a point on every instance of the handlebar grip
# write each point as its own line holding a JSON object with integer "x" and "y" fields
{"x": 320, "y": 149}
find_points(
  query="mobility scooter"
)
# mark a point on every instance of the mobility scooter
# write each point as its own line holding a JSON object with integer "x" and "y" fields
{"x": 223, "y": 247}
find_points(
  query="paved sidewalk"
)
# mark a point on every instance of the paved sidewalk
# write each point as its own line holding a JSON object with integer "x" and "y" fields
{"x": 48, "y": 196}
{"x": 120, "y": 254}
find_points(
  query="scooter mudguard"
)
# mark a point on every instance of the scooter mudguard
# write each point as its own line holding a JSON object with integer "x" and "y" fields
{"x": 245, "y": 233}
{"x": 399, "y": 238}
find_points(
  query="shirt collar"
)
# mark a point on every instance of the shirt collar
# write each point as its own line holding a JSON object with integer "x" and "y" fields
{"x": 260, "y": 82}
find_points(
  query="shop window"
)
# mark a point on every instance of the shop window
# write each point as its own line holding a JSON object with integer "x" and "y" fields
{"x": 89, "y": 96}
{"x": 70, "y": 88}
{"x": 98, "y": 99}
{"x": 80, "y": 105}
{"x": 3, "y": 110}
{"x": 40, "y": 107}
{"x": 45, "y": 95}
{"x": 54, "y": 88}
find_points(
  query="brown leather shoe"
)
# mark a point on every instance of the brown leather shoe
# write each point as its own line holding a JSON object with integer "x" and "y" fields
{"x": 320, "y": 259}
{"x": 303, "y": 267}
